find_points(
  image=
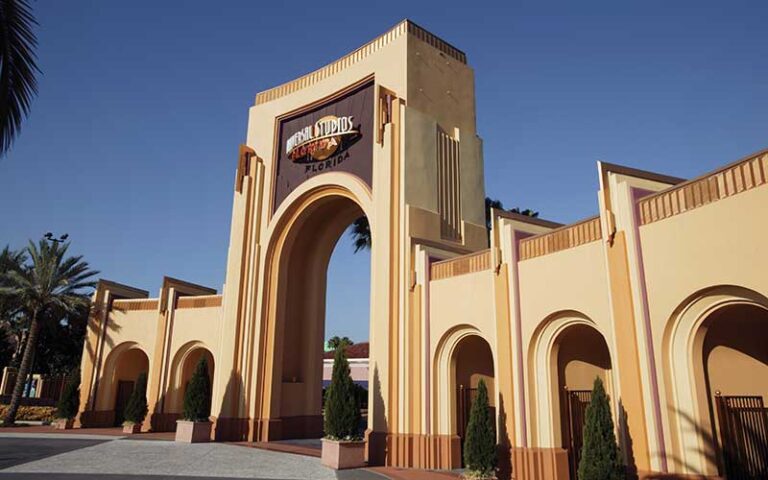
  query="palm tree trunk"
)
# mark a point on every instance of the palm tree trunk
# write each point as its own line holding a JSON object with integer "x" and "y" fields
{"x": 21, "y": 375}
{"x": 27, "y": 392}
{"x": 21, "y": 339}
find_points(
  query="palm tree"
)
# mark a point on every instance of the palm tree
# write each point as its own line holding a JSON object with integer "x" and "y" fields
{"x": 493, "y": 203}
{"x": 335, "y": 342}
{"x": 18, "y": 68}
{"x": 361, "y": 234}
{"x": 10, "y": 319}
{"x": 50, "y": 282}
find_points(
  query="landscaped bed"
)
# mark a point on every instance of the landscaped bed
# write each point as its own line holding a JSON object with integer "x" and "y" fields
{"x": 36, "y": 414}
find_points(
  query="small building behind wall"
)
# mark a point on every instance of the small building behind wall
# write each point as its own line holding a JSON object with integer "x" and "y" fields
{"x": 662, "y": 293}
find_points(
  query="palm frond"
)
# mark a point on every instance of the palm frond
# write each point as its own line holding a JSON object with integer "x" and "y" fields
{"x": 361, "y": 234}
{"x": 18, "y": 68}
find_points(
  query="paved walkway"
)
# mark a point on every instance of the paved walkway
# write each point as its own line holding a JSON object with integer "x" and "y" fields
{"x": 150, "y": 459}
{"x": 101, "y": 453}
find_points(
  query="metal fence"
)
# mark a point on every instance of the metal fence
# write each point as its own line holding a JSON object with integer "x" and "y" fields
{"x": 576, "y": 403}
{"x": 743, "y": 436}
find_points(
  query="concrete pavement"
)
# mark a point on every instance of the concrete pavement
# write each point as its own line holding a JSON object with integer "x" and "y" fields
{"x": 65, "y": 457}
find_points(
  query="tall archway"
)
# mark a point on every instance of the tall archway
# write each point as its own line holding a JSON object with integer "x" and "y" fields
{"x": 582, "y": 356}
{"x": 567, "y": 350}
{"x": 123, "y": 366}
{"x": 183, "y": 366}
{"x": 714, "y": 342}
{"x": 735, "y": 363}
{"x": 471, "y": 362}
{"x": 304, "y": 237}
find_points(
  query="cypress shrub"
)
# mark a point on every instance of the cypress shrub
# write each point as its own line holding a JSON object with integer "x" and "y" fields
{"x": 600, "y": 452}
{"x": 197, "y": 398}
{"x": 69, "y": 403}
{"x": 342, "y": 412}
{"x": 136, "y": 409}
{"x": 480, "y": 441}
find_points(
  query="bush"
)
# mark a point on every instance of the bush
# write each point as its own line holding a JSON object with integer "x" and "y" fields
{"x": 32, "y": 414}
{"x": 69, "y": 403}
{"x": 342, "y": 411}
{"x": 480, "y": 442}
{"x": 600, "y": 452}
{"x": 137, "y": 408}
{"x": 197, "y": 398}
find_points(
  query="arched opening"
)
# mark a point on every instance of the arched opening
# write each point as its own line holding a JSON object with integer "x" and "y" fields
{"x": 734, "y": 367}
{"x": 472, "y": 361}
{"x": 716, "y": 341}
{"x": 582, "y": 356}
{"x": 127, "y": 367}
{"x": 299, "y": 273}
{"x": 184, "y": 366}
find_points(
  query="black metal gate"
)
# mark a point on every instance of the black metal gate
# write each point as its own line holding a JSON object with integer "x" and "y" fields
{"x": 464, "y": 398}
{"x": 743, "y": 436}
{"x": 124, "y": 390}
{"x": 576, "y": 403}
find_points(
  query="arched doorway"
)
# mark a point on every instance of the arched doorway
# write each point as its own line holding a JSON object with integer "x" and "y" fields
{"x": 184, "y": 365}
{"x": 582, "y": 356}
{"x": 303, "y": 243}
{"x": 472, "y": 361}
{"x": 734, "y": 360}
{"x": 126, "y": 366}
{"x": 716, "y": 341}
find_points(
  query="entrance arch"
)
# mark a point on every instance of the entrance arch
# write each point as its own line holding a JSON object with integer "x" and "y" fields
{"x": 303, "y": 235}
{"x": 462, "y": 358}
{"x": 472, "y": 361}
{"x": 716, "y": 343}
{"x": 582, "y": 356}
{"x": 122, "y": 367}
{"x": 182, "y": 368}
{"x": 567, "y": 351}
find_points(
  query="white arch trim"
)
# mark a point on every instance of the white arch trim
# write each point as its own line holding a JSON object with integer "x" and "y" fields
{"x": 683, "y": 347}
{"x": 445, "y": 375}
{"x": 107, "y": 379}
{"x": 357, "y": 189}
{"x": 177, "y": 369}
{"x": 546, "y": 393}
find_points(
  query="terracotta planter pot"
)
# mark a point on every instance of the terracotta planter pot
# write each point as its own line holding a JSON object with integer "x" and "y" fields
{"x": 63, "y": 423}
{"x": 193, "y": 432}
{"x": 341, "y": 455}
{"x": 131, "y": 428}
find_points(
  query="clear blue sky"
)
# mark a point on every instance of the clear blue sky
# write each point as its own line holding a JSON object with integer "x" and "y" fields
{"x": 131, "y": 145}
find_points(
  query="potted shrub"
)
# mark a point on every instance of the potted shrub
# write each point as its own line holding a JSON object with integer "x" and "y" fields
{"x": 599, "y": 452}
{"x": 195, "y": 424}
{"x": 343, "y": 445}
{"x": 69, "y": 403}
{"x": 480, "y": 441}
{"x": 136, "y": 409}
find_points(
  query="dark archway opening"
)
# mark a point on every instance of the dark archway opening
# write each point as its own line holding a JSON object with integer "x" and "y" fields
{"x": 472, "y": 361}
{"x": 582, "y": 356}
{"x": 735, "y": 358}
{"x": 129, "y": 365}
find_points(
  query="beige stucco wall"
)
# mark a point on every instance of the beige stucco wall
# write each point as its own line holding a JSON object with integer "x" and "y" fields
{"x": 558, "y": 290}
{"x": 459, "y": 306}
{"x": 124, "y": 328}
{"x": 197, "y": 325}
{"x": 569, "y": 280}
{"x": 717, "y": 245}
{"x": 722, "y": 243}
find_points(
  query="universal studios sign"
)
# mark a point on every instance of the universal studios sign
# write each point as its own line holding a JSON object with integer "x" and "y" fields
{"x": 319, "y": 141}
{"x": 330, "y": 136}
